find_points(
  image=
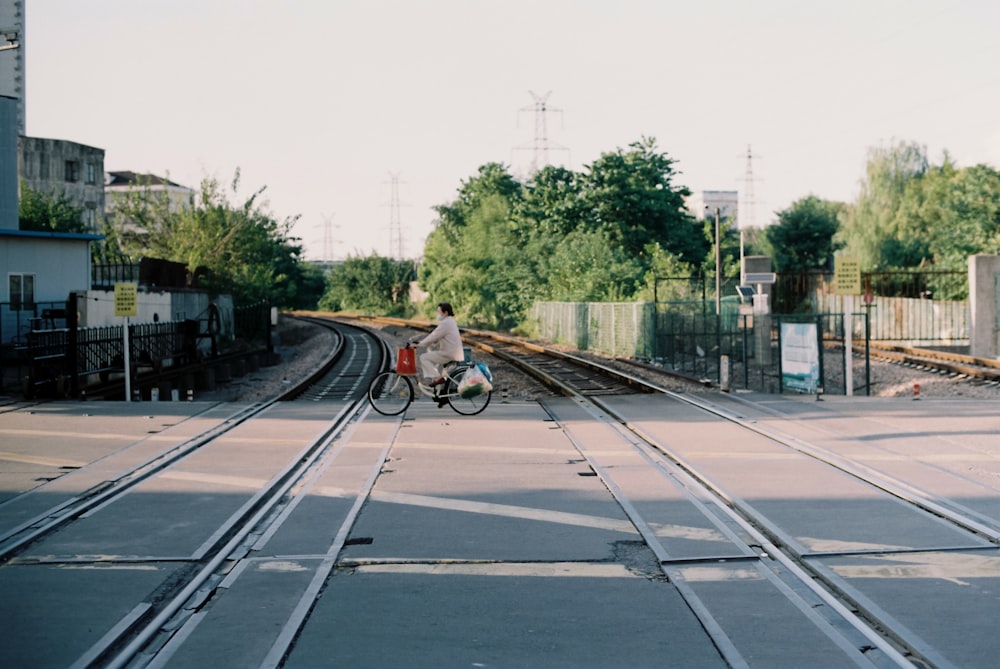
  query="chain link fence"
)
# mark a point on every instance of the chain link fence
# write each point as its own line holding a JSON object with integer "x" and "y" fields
{"x": 737, "y": 348}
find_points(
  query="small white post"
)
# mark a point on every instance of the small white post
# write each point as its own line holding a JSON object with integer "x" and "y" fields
{"x": 128, "y": 371}
{"x": 849, "y": 344}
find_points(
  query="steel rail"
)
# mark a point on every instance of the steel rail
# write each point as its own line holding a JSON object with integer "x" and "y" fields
{"x": 984, "y": 369}
{"x": 51, "y": 519}
{"x": 867, "y": 623}
{"x": 136, "y": 635}
{"x": 270, "y": 498}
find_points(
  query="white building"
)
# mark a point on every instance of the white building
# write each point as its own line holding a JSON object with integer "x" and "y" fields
{"x": 702, "y": 204}
{"x": 61, "y": 168}
{"x": 117, "y": 185}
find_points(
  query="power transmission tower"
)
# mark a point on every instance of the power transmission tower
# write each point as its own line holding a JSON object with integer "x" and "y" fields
{"x": 746, "y": 211}
{"x": 395, "y": 226}
{"x": 328, "y": 240}
{"x": 541, "y": 146}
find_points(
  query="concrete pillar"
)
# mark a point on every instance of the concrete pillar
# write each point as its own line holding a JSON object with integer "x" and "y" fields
{"x": 8, "y": 163}
{"x": 984, "y": 294}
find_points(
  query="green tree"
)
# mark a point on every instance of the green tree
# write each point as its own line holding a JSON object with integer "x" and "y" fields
{"x": 586, "y": 267}
{"x": 502, "y": 245}
{"x": 551, "y": 204}
{"x": 473, "y": 258}
{"x": 803, "y": 237}
{"x": 661, "y": 280}
{"x": 950, "y": 214}
{"x": 41, "y": 212}
{"x": 871, "y": 230}
{"x": 237, "y": 249}
{"x": 631, "y": 196}
{"x": 370, "y": 285}
{"x": 474, "y": 264}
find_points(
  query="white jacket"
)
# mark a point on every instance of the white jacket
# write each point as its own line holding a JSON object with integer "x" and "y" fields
{"x": 447, "y": 338}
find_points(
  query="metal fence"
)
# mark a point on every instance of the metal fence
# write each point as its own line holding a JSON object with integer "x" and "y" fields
{"x": 690, "y": 339}
{"x": 61, "y": 361}
{"x": 919, "y": 307}
{"x": 50, "y": 354}
{"x": 615, "y": 328}
{"x": 106, "y": 274}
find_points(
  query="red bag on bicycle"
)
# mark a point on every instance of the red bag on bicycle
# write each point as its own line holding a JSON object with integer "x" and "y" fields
{"x": 406, "y": 362}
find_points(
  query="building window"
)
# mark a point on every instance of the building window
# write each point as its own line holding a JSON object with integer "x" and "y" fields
{"x": 72, "y": 171}
{"x": 22, "y": 292}
{"x": 91, "y": 176}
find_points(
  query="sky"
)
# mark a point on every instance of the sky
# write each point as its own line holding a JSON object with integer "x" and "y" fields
{"x": 325, "y": 103}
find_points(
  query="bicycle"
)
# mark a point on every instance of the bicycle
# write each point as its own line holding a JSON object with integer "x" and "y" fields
{"x": 391, "y": 392}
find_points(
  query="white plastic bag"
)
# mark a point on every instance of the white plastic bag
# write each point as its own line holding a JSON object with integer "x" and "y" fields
{"x": 473, "y": 383}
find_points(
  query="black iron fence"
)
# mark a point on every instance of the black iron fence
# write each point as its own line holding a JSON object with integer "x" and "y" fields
{"x": 51, "y": 355}
{"x": 745, "y": 350}
{"x": 252, "y": 323}
{"x": 104, "y": 275}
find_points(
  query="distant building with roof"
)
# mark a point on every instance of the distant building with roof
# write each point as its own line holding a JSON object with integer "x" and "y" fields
{"x": 702, "y": 204}
{"x": 117, "y": 186}
{"x": 58, "y": 168}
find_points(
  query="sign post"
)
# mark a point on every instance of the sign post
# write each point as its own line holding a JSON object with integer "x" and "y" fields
{"x": 126, "y": 298}
{"x": 847, "y": 282}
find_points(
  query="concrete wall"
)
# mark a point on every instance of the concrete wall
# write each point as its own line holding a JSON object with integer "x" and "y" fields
{"x": 155, "y": 307}
{"x": 984, "y": 299}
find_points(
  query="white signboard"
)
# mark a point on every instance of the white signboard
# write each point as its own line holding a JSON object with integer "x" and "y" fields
{"x": 799, "y": 357}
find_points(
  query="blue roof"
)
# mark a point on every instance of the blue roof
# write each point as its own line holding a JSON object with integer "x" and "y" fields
{"x": 70, "y": 236}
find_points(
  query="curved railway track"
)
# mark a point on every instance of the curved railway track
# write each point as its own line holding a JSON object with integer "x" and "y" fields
{"x": 47, "y": 517}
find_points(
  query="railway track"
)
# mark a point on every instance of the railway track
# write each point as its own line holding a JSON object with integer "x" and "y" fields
{"x": 964, "y": 366}
{"x": 156, "y": 632}
{"x": 36, "y": 523}
{"x": 960, "y": 368}
{"x": 600, "y": 390}
{"x": 899, "y": 645}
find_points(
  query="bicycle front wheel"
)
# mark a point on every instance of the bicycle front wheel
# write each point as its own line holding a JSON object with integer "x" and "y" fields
{"x": 467, "y": 406}
{"x": 390, "y": 394}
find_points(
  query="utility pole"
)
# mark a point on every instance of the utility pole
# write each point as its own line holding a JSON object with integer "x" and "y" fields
{"x": 718, "y": 262}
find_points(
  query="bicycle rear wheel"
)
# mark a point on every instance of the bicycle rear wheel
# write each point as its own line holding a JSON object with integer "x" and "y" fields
{"x": 390, "y": 394}
{"x": 468, "y": 406}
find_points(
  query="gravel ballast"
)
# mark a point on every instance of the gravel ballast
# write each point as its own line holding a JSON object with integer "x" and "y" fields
{"x": 303, "y": 345}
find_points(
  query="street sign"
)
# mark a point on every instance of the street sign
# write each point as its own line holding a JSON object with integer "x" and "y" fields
{"x": 847, "y": 276}
{"x": 758, "y": 277}
{"x": 126, "y": 298}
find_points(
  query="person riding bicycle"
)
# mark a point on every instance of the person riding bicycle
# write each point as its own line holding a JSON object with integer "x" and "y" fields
{"x": 447, "y": 345}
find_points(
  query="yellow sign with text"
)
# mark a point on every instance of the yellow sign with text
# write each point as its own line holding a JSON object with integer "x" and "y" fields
{"x": 126, "y": 299}
{"x": 847, "y": 276}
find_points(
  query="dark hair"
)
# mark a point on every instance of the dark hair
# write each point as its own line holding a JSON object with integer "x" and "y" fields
{"x": 446, "y": 308}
